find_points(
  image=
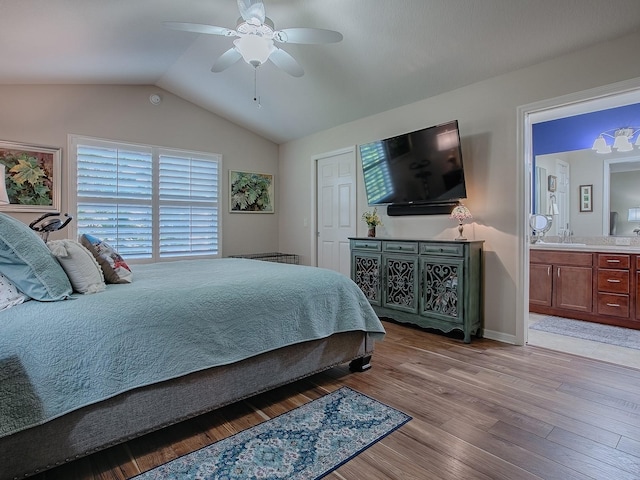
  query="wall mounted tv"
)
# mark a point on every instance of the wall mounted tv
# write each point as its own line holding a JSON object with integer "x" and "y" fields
{"x": 418, "y": 168}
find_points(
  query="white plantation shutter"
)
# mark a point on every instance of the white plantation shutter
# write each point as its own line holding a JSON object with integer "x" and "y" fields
{"x": 375, "y": 165}
{"x": 188, "y": 197}
{"x": 147, "y": 202}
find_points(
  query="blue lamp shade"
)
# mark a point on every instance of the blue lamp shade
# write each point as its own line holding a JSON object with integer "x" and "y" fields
{"x": 634, "y": 215}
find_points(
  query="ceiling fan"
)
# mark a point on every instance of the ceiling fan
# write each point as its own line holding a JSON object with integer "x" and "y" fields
{"x": 256, "y": 39}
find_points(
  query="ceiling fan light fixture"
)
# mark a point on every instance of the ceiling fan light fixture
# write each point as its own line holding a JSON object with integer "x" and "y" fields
{"x": 255, "y": 50}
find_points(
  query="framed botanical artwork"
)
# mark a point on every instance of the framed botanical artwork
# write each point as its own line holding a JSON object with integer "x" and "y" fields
{"x": 250, "y": 192}
{"x": 32, "y": 177}
{"x": 586, "y": 198}
{"x": 552, "y": 183}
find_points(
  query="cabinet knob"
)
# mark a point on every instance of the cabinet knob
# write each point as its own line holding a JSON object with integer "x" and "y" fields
{"x": 613, "y": 280}
{"x": 613, "y": 304}
{"x": 613, "y": 261}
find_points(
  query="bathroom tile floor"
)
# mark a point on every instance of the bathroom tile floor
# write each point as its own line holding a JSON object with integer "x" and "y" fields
{"x": 629, "y": 357}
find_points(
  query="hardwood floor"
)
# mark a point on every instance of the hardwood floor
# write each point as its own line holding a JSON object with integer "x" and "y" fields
{"x": 485, "y": 410}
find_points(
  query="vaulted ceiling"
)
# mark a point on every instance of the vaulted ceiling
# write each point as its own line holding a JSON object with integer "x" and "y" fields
{"x": 394, "y": 52}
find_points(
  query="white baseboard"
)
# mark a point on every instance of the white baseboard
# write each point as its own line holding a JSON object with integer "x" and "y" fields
{"x": 499, "y": 336}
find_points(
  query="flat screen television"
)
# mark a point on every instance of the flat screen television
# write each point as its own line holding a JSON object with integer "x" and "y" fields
{"x": 421, "y": 167}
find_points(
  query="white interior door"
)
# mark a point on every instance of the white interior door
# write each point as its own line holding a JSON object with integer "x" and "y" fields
{"x": 336, "y": 209}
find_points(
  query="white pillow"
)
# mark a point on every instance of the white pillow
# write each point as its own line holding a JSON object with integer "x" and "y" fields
{"x": 79, "y": 264}
{"x": 10, "y": 296}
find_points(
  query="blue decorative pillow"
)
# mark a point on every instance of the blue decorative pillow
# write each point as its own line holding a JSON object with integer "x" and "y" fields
{"x": 28, "y": 263}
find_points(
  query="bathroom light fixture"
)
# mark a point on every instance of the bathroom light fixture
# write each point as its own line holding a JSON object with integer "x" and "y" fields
{"x": 4, "y": 198}
{"x": 622, "y": 138}
{"x": 460, "y": 213}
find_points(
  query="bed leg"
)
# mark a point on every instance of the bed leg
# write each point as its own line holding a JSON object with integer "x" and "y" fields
{"x": 360, "y": 364}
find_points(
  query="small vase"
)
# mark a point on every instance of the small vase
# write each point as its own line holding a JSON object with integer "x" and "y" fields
{"x": 371, "y": 232}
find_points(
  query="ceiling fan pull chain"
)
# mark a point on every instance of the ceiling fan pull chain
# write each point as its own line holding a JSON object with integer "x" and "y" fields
{"x": 256, "y": 97}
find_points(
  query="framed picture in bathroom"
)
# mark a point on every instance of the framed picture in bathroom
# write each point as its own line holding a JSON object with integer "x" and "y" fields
{"x": 586, "y": 200}
{"x": 552, "y": 183}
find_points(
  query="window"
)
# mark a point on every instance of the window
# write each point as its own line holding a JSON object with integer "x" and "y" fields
{"x": 147, "y": 202}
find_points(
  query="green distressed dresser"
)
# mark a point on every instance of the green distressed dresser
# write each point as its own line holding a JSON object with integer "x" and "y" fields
{"x": 430, "y": 283}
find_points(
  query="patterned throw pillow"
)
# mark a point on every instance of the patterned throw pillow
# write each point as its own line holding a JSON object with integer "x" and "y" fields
{"x": 114, "y": 267}
{"x": 9, "y": 294}
{"x": 80, "y": 265}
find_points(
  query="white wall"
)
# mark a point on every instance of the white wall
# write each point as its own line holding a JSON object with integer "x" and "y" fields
{"x": 45, "y": 115}
{"x": 487, "y": 112}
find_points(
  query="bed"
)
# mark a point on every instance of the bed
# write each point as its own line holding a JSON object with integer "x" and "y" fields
{"x": 81, "y": 374}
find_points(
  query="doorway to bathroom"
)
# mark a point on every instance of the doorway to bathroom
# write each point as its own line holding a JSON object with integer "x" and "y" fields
{"x": 557, "y": 196}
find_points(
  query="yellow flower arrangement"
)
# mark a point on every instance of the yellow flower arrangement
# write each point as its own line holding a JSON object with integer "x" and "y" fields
{"x": 371, "y": 218}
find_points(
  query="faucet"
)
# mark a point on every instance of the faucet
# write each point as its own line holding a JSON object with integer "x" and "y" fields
{"x": 565, "y": 235}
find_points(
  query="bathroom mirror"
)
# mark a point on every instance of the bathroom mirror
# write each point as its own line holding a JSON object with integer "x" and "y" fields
{"x": 615, "y": 178}
{"x": 540, "y": 225}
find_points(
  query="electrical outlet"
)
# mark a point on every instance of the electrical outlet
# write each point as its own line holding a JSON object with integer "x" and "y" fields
{"x": 623, "y": 241}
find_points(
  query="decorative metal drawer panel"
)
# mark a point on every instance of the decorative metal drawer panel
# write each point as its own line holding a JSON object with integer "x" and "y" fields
{"x": 367, "y": 276}
{"x": 442, "y": 289}
{"x": 400, "y": 285}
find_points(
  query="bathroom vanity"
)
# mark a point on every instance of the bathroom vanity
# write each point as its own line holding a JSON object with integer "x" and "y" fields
{"x": 586, "y": 282}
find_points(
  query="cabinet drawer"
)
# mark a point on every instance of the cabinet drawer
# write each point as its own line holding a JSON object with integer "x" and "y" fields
{"x": 615, "y": 281}
{"x": 370, "y": 245}
{"x": 612, "y": 304}
{"x": 555, "y": 257}
{"x": 400, "y": 247}
{"x": 441, "y": 249}
{"x": 613, "y": 260}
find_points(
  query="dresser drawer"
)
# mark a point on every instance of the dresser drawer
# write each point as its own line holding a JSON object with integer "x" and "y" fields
{"x": 615, "y": 281}
{"x": 614, "y": 305}
{"x": 400, "y": 247}
{"x": 613, "y": 260}
{"x": 370, "y": 245}
{"x": 442, "y": 249}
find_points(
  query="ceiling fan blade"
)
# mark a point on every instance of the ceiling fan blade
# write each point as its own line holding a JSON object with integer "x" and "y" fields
{"x": 286, "y": 62}
{"x": 307, "y": 35}
{"x": 252, "y": 11}
{"x": 200, "y": 28}
{"x": 225, "y": 60}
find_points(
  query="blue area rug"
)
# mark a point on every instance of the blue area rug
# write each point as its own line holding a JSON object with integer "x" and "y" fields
{"x": 306, "y": 443}
{"x": 597, "y": 332}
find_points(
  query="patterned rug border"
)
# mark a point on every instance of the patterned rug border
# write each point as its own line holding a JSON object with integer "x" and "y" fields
{"x": 148, "y": 475}
{"x": 596, "y": 332}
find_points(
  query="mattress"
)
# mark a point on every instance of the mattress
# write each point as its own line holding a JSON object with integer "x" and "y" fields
{"x": 176, "y": 318}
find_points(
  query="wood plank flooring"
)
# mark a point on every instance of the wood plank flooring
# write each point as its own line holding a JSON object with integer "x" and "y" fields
{"x": 485, "y": 410}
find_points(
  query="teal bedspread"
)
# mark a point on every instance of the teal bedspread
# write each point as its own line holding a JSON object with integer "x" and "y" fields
{"x": 174, "y": 319}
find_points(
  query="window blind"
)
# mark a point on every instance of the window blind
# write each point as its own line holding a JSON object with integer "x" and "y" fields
{"x": 375, "y": 165}
{"x": 148, "y": 202}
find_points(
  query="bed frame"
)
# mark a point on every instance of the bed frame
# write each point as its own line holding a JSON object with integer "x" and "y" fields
{"x": 150, "y": 408}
